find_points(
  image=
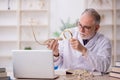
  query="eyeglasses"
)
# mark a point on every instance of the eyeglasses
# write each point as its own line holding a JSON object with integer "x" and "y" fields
{"x": 83, "y": 27}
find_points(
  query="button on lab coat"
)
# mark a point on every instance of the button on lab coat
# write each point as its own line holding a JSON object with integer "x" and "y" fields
{"x": 98, "y": 54}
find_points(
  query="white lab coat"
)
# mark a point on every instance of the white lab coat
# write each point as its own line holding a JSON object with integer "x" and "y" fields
{"x": 98, "y": 54}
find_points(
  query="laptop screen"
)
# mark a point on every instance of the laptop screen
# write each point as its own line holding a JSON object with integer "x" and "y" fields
{"x": 33, "y": 64}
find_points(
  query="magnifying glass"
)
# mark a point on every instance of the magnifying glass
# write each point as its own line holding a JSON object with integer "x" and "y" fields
{"x": 67, "y": 34}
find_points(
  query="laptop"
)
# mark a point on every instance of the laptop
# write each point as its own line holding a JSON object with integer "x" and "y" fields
{"x": 33, "y": 64}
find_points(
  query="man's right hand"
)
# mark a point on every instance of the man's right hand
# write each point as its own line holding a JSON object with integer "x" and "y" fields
{"x": 52, "y": 44}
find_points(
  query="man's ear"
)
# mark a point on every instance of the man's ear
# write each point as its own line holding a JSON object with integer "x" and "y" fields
{"x": 97, "y": 28}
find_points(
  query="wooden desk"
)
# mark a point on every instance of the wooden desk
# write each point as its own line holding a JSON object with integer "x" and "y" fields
{"x": 74, "y": 77}
{"x": 71, "y": 77}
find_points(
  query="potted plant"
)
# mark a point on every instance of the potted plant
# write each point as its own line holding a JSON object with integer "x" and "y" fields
{"x": 28, "y": 48}
{"x": 64, "y": 26}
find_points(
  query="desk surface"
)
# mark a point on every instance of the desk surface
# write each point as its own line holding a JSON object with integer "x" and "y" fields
{"x": 71, "y": 77}
{"x": 75, "y": 77}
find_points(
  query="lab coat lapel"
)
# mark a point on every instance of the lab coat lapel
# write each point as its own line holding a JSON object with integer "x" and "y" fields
{"x": 92, "y": 42}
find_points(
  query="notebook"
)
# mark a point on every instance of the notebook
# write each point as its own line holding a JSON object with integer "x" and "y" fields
{"x": 33, "y": 64}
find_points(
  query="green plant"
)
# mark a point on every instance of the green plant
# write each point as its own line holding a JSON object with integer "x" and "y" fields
{"x": 27, "y": 48}
{"x": 64, "y": 26}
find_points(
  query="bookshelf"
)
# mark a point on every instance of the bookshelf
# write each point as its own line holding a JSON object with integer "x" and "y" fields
{"x": 16, "y": 18}
{"x": 8, "y": 27}
{"x": 117, "y": 28}
{"x": 33, "y": 14}
{"x": 109, "y": 11}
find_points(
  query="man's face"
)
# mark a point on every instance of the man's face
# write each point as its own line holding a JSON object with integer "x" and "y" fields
{"x": 87, "y": 26}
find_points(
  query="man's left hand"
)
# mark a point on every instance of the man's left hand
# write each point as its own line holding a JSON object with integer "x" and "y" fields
{"x": 75, "y": 44}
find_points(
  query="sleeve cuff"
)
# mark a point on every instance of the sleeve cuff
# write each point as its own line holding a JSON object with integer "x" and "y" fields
{"x": 55, "y": 58}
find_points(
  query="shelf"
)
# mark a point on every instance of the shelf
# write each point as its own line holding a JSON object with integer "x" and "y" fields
{"x": 8, "y": 26}
{"x": 105, "y": 17}
{"x": 117, "y": 9}
{"x": 106, "y": 10}
{"x": 33, "y": 26}
{"x": 6, "y": 48}
{"x": 42, "y": 10}
{"x": 118, "y": 25}
{"x": 118, "y": 54}
{"x": 31, "y": 4}
{"x": 33, "y": 41}
{"x": 117, "y": 4}
{"x": 8, "y": 18}
{"x": 15, "y": 25}
{"x": 118, "y": 40}
{"x": 107, "y": 31}
{"x": 8, "y": 4}
{"x": 34, "y": 46}
{"x": 100, "y": 4}
{"x": 7, "y": 41}
{"x": 5, "y": 56}
{"x": 38, "y": 18}
{"x": 109, "y": 11}
{"x": 8, "y": 11}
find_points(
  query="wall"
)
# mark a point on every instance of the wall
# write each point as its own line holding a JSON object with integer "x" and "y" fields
{"x": 64, "y": 9}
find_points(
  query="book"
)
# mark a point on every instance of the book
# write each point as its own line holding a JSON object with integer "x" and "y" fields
{"x": 3, "y": 74}
{"x": 115, "y": 69}
{"x": 5, "y": 78}
{"x": 117, "y": 63}
{"x": 115, "y": 74}
{"x": 2, "y": 70}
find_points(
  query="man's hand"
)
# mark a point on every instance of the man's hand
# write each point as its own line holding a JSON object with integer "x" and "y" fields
{"x": 53, "y": 45}
{"x": 78, "y": 46}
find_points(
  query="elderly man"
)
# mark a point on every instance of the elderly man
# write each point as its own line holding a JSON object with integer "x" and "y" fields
{"x": 88, "y": 49}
